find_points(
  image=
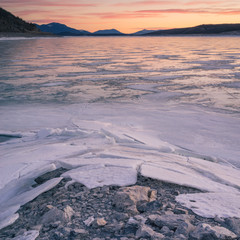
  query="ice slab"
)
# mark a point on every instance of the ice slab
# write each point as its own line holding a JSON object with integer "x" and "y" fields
{"x": 71, "y": 163}
{"x": 8, "y": 216}
{"x": 100, "y": 175}
{"x": 29, "y": 235}
{"x": 17, "y": 178}
{"x": 183, "y": 172}
{"x": 12, "y": 205}
{"x": 209, "y": 205}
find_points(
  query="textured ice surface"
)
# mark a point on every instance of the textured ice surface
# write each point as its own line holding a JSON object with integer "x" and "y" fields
{"x": 167, "y": 108}
{"x": 209, "y": 205}
{"x": 103, "y": 175}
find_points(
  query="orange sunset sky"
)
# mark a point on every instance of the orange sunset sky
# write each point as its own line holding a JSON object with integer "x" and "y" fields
{"x": 127, "y": 15}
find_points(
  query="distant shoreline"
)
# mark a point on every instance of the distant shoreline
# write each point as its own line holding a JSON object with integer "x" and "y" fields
{"x": 33, "y": 35}
{"x": 27, "y": 35}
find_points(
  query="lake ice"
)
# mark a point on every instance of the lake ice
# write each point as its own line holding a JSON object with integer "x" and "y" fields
{"x": 109, "y": 108}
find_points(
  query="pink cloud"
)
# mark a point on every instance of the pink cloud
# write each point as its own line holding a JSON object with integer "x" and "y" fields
{"x": 45, "y": 3}
{"x": 191, "y": 11}
{"x": 204, "y": 3}
{"x": 144, "y": 3}
{"x": 161, "y": 12}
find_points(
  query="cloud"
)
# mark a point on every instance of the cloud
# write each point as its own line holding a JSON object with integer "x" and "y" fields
{"x": 162, "y": 12}
{"x": 45, "y": 3}
{"x": 204, "y": 3}
{"x": 144, "y": 3}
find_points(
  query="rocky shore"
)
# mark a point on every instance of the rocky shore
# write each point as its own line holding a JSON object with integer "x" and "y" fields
{"x": 146, "y": 210}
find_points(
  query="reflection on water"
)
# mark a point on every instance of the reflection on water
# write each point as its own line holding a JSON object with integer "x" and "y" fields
{"x": 198, "y": 70}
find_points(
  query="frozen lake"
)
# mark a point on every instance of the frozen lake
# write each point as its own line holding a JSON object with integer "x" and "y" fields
{"x": 109, "y": 107}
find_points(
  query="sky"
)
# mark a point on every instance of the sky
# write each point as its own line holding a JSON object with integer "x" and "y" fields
{"x": 127, "y": 16}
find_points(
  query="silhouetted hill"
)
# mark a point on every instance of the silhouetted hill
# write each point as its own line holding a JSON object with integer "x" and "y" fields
{"x": 61, "y": 29}
{"x": 201, "y": 29}
{"x": 142, "y": 32}
{"x": 11, "y": 23}
{"x": 108, "y": 32}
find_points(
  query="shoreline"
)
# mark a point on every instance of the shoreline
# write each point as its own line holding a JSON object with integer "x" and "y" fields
{"x": 25, "y": 35}
{"x": 145, "y": 210}
{"x": 44, "y": 34}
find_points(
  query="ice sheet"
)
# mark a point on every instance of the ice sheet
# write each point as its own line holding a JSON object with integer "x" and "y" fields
{"x": 100, "y": 175}
{"x": 123, "y": 143}
{"x": 167, "y": 108}
{"x": 210, "y": 205}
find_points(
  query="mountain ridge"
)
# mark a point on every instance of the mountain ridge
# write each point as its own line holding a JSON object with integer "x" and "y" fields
{"x": 108, "y": 32}
{"x": 61, "y": 29}
{"x": 200, "y": 29}
{"x": 11, "y": 23}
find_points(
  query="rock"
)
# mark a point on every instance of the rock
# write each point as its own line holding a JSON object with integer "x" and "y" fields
{"x": 79, "y": 233}
{"x": 148, "y": 206}
{"x": 140, "y": 218}
{"x": 127, "y": 198}
{"x": 223, "y": 233}
{"x": 166, "y": 231}
{"x": 55, "y": 224}
{"x": 29, "y": 235}
{"x": 206, "y": 231}
{"x": 99, "y": 222}
{"x": 89, "y": 221}
{"x": 146, "y": 232}
{"x": 68, "y": 212}
{"x": 131, "y": 226}
{"x": 50, "y": 206}
{"x": 114, "y": 227}
{"x": 180, "y": 211}
{"x": 183, "y": 229}
{"x": 54, "y": 215}
{"x": 170, "y": 206}
{"x": 233, "y": 224}
{"x": 120, "y": 216}
{"x": 172, "y": 221}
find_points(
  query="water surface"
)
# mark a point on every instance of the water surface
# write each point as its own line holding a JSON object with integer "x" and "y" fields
{"x": 197, "y": 70}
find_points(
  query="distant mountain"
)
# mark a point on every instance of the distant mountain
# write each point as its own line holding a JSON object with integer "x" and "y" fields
{"x": 61, "y": 29}
{"x": 13, "y": 24}
{"x": 201, "y": 29}
{"x": 142, "y": 32}
{"x": 108, "y": 32}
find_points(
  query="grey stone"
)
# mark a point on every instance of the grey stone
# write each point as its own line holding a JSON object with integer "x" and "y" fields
{"x": 233, "y": 224}
{"x": 114, "y": 227}
{"x": 166, "y": 231}
{"x": 184, "y": 228}
{"x": 55, "y": 214}
{"x": 78, "y": 233}
{"x": 172, "y": 221}
{"x": 145, "y": 231}
{"x": 180, "y": 211}
{"x": 205, "y": 231}
{"x": 119, "y": 216}
{"x": 170, "y": 206}
{"x": 131, "y": 226}
{"x": 127, "y": 198}
{"x": 89, "y": 221}
{"x": 144, "y": 206}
